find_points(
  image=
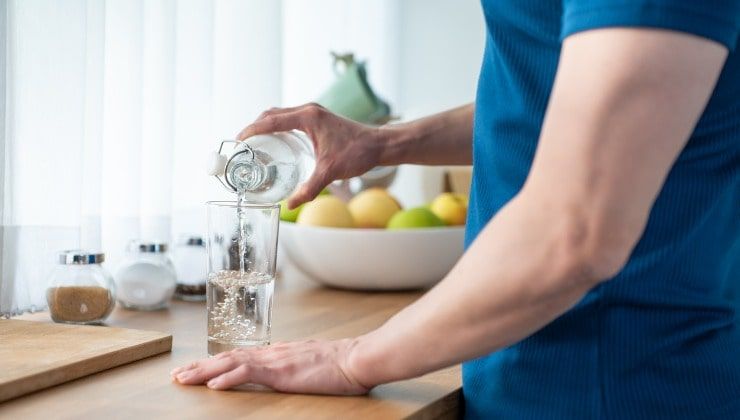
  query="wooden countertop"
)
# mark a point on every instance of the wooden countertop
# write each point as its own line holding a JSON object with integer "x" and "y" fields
{"x": 302, "y": 310}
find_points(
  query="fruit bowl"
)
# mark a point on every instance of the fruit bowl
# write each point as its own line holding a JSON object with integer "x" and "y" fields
{"x": 372, "y": 259}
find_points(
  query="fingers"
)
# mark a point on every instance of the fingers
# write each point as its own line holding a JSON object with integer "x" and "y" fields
{"x": 180, "y": 369}
{"x": 272, "y": 124}
{"x": 283, "y": 119}
{"x": 202, "y": 371}
{"x": 276, "y": 111}
{"x": 240, "y": 375}
{"x": 310, "y": 189}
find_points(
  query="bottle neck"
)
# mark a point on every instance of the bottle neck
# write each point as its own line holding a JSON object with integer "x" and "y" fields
{"x": 246, "y": 172}
{"x": 248, "y": 176}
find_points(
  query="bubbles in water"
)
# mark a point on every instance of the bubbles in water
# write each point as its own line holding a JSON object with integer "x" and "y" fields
{"x": 238, "y": 305}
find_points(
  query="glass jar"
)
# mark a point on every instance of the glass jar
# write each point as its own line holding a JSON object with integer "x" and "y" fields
{"x": 190, "y": 258}
{"x": 80, "y": 290}
{"x": 145, "y": 279}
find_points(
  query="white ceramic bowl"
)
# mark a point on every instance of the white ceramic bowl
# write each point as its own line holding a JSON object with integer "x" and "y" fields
{"x": 372, "y": 259}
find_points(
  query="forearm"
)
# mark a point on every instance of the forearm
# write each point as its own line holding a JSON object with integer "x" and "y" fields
{"x": 441, "y": 139}
{"x": 519, "y": 275}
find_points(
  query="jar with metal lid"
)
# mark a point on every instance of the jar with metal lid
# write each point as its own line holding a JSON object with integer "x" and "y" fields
{"x": 145, "y": 279}
{"x": 190, "y": 259}
{"x": 80, "y": 290}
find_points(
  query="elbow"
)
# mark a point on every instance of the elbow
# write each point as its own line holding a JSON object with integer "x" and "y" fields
{"x": 595, "y": 248}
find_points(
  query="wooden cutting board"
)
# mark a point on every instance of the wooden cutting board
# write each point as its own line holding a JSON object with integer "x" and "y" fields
{"x": 37, "y": 355}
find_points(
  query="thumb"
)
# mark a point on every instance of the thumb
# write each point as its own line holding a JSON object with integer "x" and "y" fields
{"x": 310, "y": 189}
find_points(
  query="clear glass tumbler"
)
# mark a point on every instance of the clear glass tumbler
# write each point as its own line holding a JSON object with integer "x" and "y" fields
{"x": 242, "y": 246}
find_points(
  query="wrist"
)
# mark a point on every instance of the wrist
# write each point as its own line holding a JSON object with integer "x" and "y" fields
{"x": 394, "y": 141}
{"x": 364, "y": 362}
{"x": 373, "y": 359}
{"x": 356, "y": 364}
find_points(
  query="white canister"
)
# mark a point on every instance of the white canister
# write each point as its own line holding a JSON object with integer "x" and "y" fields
{"x": 145, "y": 279}
{"x": 191, "y": 265}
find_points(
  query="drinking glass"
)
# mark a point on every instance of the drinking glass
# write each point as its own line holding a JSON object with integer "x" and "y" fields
{"x": 242, "y": 246}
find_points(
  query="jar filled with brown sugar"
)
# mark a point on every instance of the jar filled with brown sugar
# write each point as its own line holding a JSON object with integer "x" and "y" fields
{"x": 80, "y": 290}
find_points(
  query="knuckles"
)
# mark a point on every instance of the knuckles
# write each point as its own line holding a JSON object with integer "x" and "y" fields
{"x": 270, "y": 122}
{"x": 313, "y": 111}
{"x": 287, "y": 369}
{"x": 270, "y": 111}
{"x": 242, "y": 370}
{"x": 197, "y": 371}
{"x": 263, "y": 115}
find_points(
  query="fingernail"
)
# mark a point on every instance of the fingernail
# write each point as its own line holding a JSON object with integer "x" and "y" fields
{"x": 211, "y": 383}
{"x": 182, "y": 376}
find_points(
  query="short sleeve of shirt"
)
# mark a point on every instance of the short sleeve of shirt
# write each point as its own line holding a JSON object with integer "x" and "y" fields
{"x": 718, "y": 20}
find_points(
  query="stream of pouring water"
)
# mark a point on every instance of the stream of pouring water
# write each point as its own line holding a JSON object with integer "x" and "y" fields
{"x": 243, "y": 231}
{"x": 235, "y": 316}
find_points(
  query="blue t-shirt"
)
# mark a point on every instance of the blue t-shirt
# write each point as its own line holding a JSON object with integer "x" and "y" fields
{"x": 661, "y": 339}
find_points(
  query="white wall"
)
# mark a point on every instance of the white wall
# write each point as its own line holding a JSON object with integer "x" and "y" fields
{"x": 423, "y": 56}
{"x": 310, "y": 33}
{"x": 441, "y": 50}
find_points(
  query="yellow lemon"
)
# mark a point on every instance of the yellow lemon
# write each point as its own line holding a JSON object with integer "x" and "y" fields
{"x": 327, "y": 211}
{"x": 373, "y": 208}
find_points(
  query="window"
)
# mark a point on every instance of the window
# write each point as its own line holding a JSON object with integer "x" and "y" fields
{"x": 110, "y": 107}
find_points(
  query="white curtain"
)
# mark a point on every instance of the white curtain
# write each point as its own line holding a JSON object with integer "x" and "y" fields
{"x": 107, "y": 109}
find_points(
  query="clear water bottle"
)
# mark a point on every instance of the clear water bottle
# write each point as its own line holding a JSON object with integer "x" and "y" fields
{"x": 264, "y": 168}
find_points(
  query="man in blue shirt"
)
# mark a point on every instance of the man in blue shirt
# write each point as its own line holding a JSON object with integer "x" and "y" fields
{"x": 603, "y": 228}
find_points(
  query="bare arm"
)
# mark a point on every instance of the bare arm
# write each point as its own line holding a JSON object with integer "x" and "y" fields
{"x": 622, "y": 108}
{"x": 345, "y": 148}
{"x": 441, "y": 139}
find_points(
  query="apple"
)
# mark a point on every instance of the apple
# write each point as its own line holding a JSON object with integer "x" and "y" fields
{"x": 289, "y": 215}
{"x": 419, "y": 217}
